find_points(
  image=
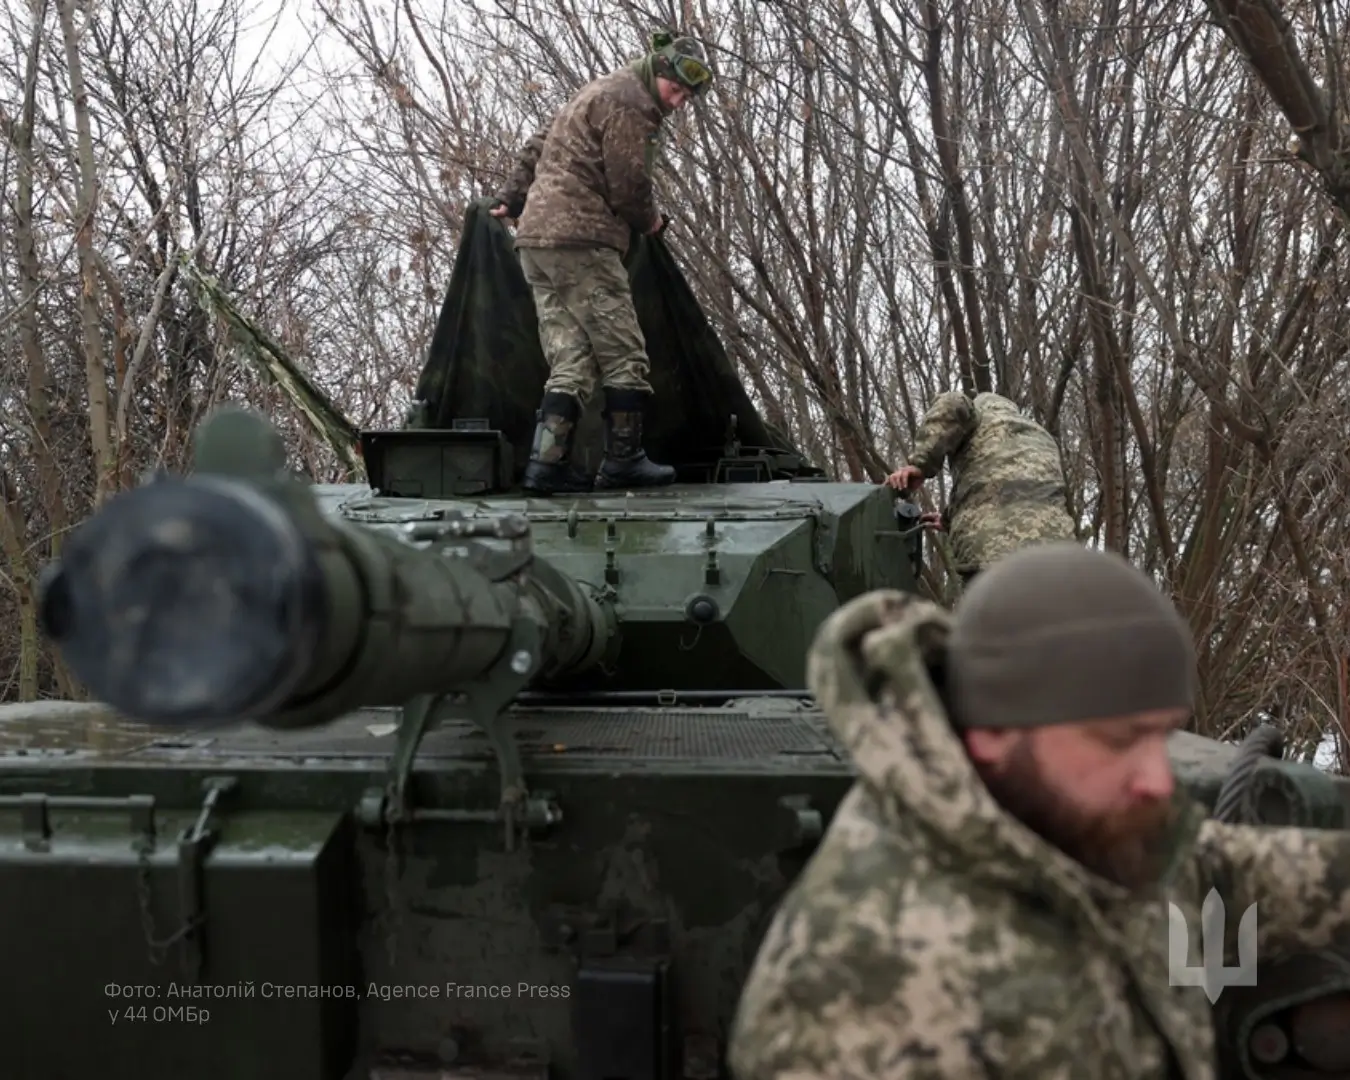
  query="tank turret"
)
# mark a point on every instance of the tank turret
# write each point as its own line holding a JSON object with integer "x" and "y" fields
{"x": 237, "y": 594}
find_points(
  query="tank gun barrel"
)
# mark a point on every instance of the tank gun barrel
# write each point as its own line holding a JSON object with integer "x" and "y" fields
{"x": 218, "y": 597}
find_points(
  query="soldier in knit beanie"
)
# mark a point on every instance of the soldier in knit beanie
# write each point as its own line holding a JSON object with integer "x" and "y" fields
{"x": 999, "y": 893}
{"x": 1060, "y": 634}
{"x": 1067, "y": 670}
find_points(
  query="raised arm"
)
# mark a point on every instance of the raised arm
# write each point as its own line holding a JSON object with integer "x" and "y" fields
{"x": 947, "y": 425}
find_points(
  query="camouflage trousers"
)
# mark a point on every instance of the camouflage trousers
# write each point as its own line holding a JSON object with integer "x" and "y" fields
{"x": 982, "y": 534}
{"x": 588, "y": 326}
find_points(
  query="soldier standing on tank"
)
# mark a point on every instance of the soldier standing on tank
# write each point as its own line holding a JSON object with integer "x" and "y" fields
{"x": 579, "y": 185}
{"x": 1008, "y": 489}
{"x": 991, "y": 898}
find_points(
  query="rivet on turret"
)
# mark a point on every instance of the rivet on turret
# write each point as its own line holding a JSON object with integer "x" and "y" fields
{"x": 611, "y": 530}
{"x": 573, "y": 521}
{"x": 712, "y": 574}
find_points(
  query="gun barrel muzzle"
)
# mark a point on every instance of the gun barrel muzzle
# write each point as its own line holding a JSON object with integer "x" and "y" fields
{"x": 187, "y": 600}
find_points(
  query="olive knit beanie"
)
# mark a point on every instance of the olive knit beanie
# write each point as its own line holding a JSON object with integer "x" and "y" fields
{"x": 1058, "y": 633}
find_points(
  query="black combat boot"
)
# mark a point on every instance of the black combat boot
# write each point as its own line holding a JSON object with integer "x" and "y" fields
{"x": 626, "y": 464}
{"x": 549, "y": 470}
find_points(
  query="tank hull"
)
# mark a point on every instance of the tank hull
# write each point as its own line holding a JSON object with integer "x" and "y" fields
{"x": 611, "y": 943}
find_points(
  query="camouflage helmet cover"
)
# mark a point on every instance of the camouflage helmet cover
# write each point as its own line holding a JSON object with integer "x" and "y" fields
{"x": 682, "y": 59}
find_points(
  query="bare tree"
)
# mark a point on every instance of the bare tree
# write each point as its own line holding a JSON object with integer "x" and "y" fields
{"x": 1091, "y": 210}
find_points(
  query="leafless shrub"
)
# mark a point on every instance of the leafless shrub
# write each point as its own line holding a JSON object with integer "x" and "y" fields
{"x": 1095, "y": 210}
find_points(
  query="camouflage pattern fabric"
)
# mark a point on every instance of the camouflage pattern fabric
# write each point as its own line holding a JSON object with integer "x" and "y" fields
{"x": 554, "y": 431}
{"x": 584, "y": 178}
{"x": 1008, "y": 485}
{"x": 486, "y": 362}
{"x": 933, "y": 936}
{"x": 588, "y": 326}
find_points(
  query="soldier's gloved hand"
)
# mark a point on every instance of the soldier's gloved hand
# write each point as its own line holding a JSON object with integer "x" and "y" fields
{"x": 932, "y": 520}
{"x": 905, "y": 478}
{"x": 498, "y": 209}
{"x": 659, "y": 224}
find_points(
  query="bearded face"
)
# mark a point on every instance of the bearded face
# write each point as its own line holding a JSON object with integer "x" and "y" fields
{"x": 1095, "y": 816}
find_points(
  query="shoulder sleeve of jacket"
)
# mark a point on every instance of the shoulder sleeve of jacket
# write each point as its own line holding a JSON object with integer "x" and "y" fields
{"x": 624, "y": 130}
{"x": 947, "y": 425}
{"x": 830, "y": 1000}
{"x": 1299, "y": 880}
{"x": 522, "y": 175}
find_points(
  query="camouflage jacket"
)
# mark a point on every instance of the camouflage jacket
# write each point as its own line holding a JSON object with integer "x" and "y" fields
{"x": 1007, "y": 483}
{"x": 585, "y": 178}
{"x": 932, "y": 936}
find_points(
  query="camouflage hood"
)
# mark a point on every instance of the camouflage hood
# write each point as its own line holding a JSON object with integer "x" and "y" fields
{"x": 871, "y": 670}
{"x": 996, "y": 405}
{"x": 931, "y": 935}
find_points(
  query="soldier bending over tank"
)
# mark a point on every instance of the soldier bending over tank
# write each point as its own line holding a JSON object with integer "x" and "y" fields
{"x": 1008, "y": 488}
{"x": 991, "y": 897}
{"x": 588, "y": 178}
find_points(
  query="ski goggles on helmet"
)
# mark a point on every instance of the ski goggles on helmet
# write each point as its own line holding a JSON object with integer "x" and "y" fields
{"x": 690, "y": 71}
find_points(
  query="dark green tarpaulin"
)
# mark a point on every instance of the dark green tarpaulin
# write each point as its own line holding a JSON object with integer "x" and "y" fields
{"x": 485, "y": 360}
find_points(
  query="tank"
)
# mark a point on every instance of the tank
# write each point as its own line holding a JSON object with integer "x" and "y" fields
{"x": 398, "y": 786}
{"x": 423, "y": 779}
{"x": 389, "y": 781}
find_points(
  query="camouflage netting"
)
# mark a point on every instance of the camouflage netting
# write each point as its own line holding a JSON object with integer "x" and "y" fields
{"x": 485, "y": 360}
